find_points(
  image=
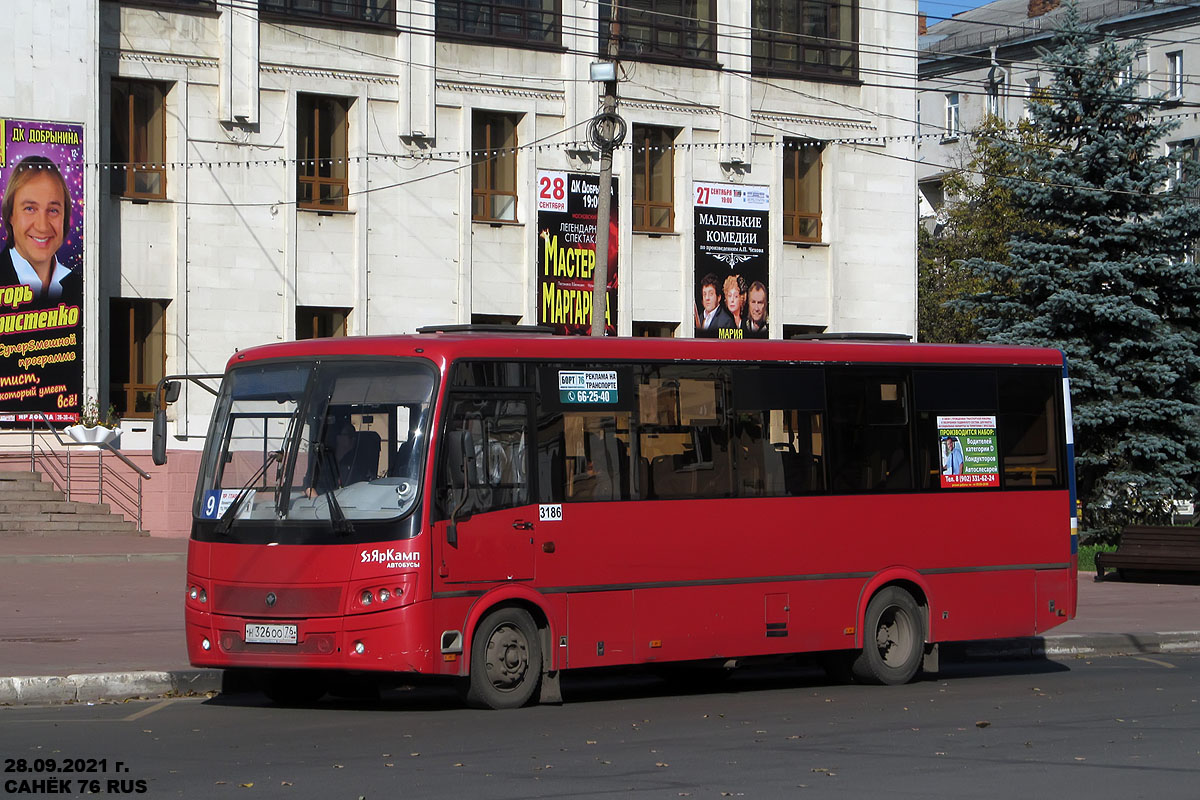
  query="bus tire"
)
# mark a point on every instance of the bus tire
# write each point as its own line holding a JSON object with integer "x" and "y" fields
{"x": 506, "y": 660}
{"x": 893, "y": 639}
{"x": 294, "y": 687}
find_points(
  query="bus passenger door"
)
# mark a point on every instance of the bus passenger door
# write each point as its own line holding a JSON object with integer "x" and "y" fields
{"x": 485, "y": 510}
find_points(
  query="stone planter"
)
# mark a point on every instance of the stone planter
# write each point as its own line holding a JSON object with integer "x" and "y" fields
{"x": 94, "y": 435}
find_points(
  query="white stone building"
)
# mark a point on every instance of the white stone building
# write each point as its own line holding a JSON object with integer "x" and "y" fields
{"x": 989, "y": 60}
{"x": 264, "y": 170}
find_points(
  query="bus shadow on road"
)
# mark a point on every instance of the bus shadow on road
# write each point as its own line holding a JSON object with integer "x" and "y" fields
{"x": 618, "y": 684}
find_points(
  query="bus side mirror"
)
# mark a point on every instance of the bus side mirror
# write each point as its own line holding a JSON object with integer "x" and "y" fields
{"x": 158, "y": 442}
{"x": 170, "y": 392}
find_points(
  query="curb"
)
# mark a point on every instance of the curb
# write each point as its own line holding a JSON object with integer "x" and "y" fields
{"x": 1074, "y": 645}
{"x": 107, "y": 686}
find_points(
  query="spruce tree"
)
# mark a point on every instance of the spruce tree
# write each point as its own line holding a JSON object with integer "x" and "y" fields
{"x": 1107, "y": 276}
{"x": 977, "y": 220}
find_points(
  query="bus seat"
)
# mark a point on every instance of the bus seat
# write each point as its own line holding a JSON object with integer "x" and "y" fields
{"x": 365, "y": 464}
{"x": 402, "y": 465}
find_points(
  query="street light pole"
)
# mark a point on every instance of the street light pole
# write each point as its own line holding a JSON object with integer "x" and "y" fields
{"x": 605, "y": 134}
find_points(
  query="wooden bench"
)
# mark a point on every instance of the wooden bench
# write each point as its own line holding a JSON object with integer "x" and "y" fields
{"x": 1157, "y": 548}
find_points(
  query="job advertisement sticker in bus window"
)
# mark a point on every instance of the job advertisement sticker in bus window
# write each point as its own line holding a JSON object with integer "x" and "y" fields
{"x": 970, "y": 456}
{"x": 587, "y": 386}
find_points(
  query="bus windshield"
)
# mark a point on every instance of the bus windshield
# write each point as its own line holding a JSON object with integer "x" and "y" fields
{"x": 307, "y": 441}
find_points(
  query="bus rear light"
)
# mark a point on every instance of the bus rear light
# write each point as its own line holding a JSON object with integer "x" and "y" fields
{"x": 359, "y": 648}
{"x": 205, "y": 644}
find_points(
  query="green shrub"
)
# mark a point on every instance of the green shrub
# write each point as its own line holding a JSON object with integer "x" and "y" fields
{"x": 1087, "y": 554}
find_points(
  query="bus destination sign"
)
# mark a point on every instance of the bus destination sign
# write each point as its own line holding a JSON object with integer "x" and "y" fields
{"x": 587, "y": 386}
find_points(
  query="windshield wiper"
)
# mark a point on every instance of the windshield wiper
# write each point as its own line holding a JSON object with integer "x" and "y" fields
{"x": 226, "y": 521}
{"x": 341, "y": 525}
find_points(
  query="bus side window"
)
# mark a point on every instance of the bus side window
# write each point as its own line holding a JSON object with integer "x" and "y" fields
{"x": 946, "y": 391}
{"x": 779, "y": 431}
{"x": 1030, "y": 428}
{"x": 869, "y": 427}
{"x": 499, "y": 435}
{"x": 684, "y": 432}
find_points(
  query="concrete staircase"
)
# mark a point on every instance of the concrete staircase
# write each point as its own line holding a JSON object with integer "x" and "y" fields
{"x": 30, "y": 506}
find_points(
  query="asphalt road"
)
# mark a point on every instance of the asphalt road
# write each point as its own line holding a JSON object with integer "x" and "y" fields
{"x": 1106, "y": 727}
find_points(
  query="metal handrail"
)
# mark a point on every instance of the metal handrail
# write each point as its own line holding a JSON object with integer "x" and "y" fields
{"x": 111, "y": 486}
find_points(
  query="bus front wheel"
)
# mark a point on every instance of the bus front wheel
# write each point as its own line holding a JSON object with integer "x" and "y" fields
{"x": 506, "y": 660}
{"x": 893, "y": 639}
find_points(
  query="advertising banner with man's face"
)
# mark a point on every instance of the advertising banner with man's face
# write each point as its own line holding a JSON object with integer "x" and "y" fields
{"x": 41, "y": 270}
{"x": 732, "y": 224}
{"x": 566, "y": 251}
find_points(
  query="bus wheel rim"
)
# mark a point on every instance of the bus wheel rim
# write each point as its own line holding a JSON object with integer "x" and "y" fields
{"x": 893, "y": 636}
{"x": 507, "y": 657}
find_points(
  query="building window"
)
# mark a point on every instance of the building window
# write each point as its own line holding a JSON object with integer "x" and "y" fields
{"x": 494, "y": 166}
{"x": 495, "y": 319}
{"x": 138, "y": 139}
{"x": 801, "y": 192}
{"x": 1175, "y": 75}
{"x": 513, "y": 21}
{"x": 671, "y": 30}
{"x": 370, "y": 12}
{"x": 815, "y": 38}
{"x": 317, "y": 322}
{"x": 995, "y": 102}
{"x": 658, "y": 330}
{"x": 952, "y": 118}
{"x": 322, "y": 142}
{"x": 653, "y": 179}
{"x": 1033, "y": 94}
{"x": 137, "y": 348}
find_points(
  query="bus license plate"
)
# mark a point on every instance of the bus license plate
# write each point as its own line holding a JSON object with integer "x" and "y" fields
{"x": 270, "y": 634}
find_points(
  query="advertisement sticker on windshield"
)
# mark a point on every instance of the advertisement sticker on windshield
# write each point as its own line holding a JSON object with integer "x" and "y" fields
{"x": 587, "y": 386}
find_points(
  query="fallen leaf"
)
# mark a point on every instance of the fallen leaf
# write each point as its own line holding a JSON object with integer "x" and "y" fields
{"x": 413, "y": 755}
{"x": 661, "y": 764}
{"x": 246, "y": 785}
{"x": 458, "y": 763}
{"x": 983, "y": 723}
{"x": 591, "y": 741}
{"x": 285, "y": 783}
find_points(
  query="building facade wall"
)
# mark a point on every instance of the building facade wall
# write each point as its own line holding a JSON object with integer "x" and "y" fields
{"x": 956, "y": 58}
{"x": 232, "y": 255}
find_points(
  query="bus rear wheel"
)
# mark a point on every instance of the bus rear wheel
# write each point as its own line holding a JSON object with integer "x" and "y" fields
{"x": 506, "y": 660}
{"x": 894, "y": 639}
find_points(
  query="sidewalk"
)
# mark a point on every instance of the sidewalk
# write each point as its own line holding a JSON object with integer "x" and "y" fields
{"x": 93, "y": 617}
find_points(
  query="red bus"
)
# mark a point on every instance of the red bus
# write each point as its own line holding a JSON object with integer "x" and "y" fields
{"x": 498, "y": 508}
